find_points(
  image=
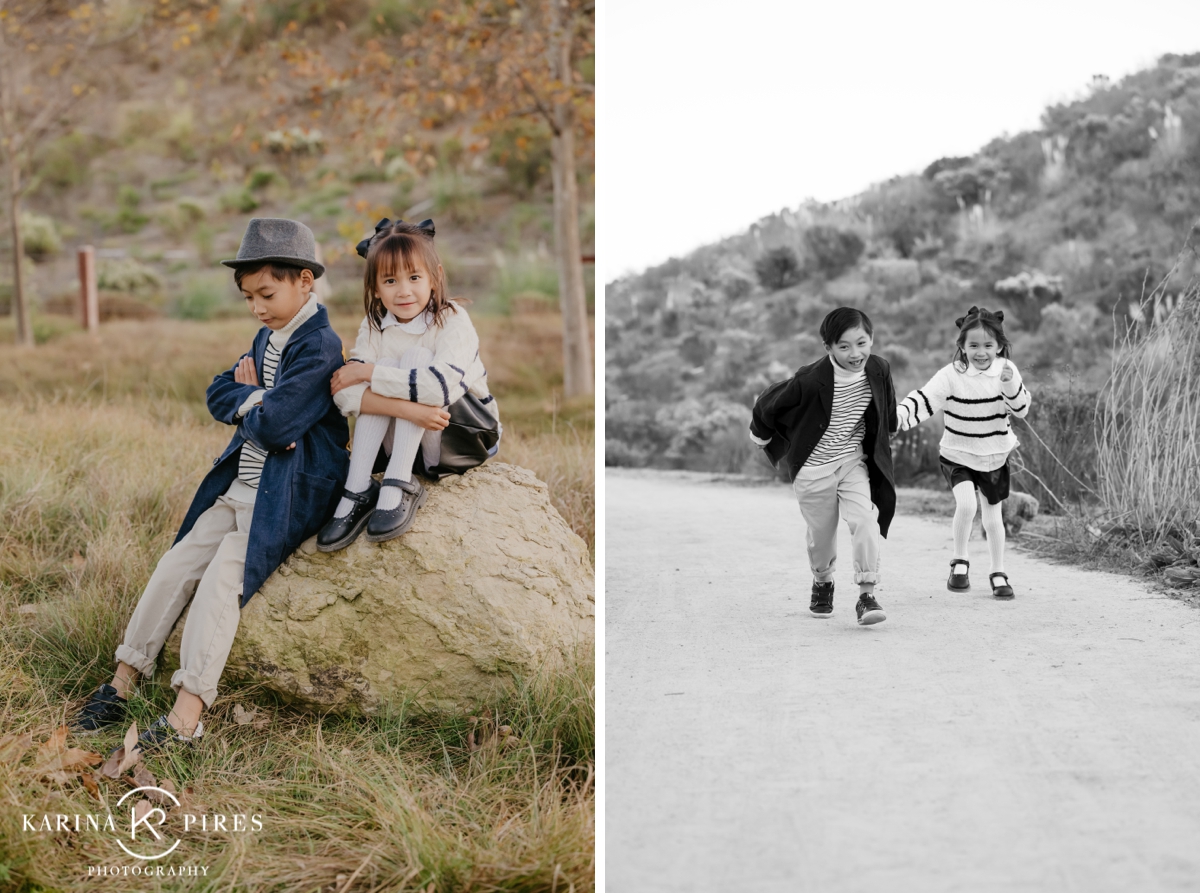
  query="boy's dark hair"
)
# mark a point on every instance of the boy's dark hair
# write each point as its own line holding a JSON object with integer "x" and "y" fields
{"x": 980, "y": 318}
{"x": 400, "y": 247}
{"x": 281, "y": 272}
{"x": 836, "y": 322}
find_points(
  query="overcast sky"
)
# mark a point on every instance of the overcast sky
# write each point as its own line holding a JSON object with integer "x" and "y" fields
{"x": 714, "y": 114}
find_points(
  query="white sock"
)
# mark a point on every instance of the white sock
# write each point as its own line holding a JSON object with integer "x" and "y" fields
{"x": 964, "y": 517}
{"x": 406, "y": 437}
{"x": 369, "y": 432}
{"x": 993, "y": 523}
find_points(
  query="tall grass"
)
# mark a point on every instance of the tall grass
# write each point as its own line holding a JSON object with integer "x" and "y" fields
{"x": 103, "y": 442}
{"x": 1148, "y": 426}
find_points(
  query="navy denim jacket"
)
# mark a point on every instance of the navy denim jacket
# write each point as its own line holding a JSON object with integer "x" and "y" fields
{"x": 299, "y": 488}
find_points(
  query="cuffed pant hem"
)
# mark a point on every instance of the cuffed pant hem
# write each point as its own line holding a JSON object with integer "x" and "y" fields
{"x": 865, "y": 578}
{"x": 193, "y": 684}
{"x": 135, "y": 659}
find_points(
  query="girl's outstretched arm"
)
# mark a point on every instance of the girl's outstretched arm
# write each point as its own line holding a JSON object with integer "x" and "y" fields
{"x": 1018, "y": 402}
{"x": 922, "y": 403}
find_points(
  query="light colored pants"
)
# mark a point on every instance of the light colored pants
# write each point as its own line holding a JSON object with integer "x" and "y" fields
{"x": 845, "y": 492}
{"x": 209, "y": 562}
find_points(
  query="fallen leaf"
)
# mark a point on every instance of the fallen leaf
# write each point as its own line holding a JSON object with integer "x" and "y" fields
{"x": 261, "y": 723}
{"x": 13, "y": 747}
{"x": 78, "y": 560}
{"x": 167, "y": 785}
{"x": 112, "y": 766}
{"x": 243, "y": 717}
{"x": 141, "y": 808}
{"x": 27, "y": 609}
{"x": 89, "y": 782}
{"x": 55, "y": 744}
{"x": 142, "y": 777}
{"x": 59, "y": 776}
{"x": 131, "y": 751}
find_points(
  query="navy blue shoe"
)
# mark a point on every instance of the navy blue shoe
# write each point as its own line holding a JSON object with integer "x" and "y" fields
{"x": 104, "y": 708}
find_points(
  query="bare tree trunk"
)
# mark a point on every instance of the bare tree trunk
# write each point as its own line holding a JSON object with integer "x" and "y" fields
{"x": 578, "y": 377}
{"x": 20, "y": 304}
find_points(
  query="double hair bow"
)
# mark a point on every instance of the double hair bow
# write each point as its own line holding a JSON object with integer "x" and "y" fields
{"x": 425, "y": 226}
{"x": 980, "y": 313}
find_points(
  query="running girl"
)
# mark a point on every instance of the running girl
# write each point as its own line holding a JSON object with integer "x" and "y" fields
{"x": 979, "y": 389}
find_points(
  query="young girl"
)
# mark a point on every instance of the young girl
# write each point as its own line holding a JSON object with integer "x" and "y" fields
{"x": 831, "y": 422}
{"x": 416, "y": 355}
{"x": 979, "y": 390}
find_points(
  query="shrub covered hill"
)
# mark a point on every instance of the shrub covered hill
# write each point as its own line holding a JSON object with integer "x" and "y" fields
{"x": 1065, "y": 228}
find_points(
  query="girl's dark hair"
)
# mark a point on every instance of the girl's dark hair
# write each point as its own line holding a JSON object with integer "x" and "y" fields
{"x": 400, "y": 247}
{"x": 836, "y": 322}
{"x": 980, "y": 318}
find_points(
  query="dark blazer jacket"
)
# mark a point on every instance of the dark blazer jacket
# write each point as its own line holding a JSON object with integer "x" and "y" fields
{"x": 795, "y": 412}
{"x": 299, "y": 488}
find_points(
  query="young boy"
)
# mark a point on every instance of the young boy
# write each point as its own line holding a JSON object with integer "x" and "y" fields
{"x": 831, "y": 423}
{"x": 274, "y": 485}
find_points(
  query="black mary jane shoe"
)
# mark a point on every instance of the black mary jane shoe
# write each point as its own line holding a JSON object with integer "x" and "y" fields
{"x": 391, "y": 523}
{"x": 958, "y": 582}
{"x": 1003, "y": 591}
{"x": 341, "y": 532}
{"x": 104, "y": 708}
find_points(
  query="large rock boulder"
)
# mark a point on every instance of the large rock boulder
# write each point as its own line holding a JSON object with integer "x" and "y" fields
{"x": 489, "y": 582}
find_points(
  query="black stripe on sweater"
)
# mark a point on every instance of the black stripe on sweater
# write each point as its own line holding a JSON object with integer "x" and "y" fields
{"x": 442, "y": 382}
{"x": 1019, "y": 408}
{"x": 982, "y": 418}
{"x": 928, "y": 405}
{"x": 968, "y": 400}
{"x": 988, "y": 434}
{"x": 412, "y": 385}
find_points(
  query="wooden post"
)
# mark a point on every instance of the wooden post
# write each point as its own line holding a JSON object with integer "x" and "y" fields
{"x": 89, "y": 301}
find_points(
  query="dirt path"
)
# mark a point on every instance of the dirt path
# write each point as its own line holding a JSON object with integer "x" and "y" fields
{"x": 1049, "y": 743}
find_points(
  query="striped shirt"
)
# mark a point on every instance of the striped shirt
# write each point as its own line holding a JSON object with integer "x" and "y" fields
{"x": 253, "y": 457}
{"x": 847, "y": 422}
{"x": 977, "y": 407}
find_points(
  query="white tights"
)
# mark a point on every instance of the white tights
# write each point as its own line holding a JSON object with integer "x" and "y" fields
{"x": 399, "y": 439}
{"x": 964, "y": 516}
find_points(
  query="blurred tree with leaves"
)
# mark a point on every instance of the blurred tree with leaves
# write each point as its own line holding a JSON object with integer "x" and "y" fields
{"x": 45, "y": 78}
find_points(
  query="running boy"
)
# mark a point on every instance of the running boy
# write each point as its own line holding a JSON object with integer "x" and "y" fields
{"x": 831, "y": 423}
{"x": 273, "y": 486}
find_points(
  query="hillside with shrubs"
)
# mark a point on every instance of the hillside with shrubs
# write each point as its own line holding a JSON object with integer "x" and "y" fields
{"x": 199, "y": 116}
{"x": 1074, "y": 230}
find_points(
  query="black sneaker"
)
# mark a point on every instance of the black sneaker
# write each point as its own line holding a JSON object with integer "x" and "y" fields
{"x": 822, "y": 600}
{"x": 868, "y": 610}
{"x": 161, "y": 735}
{"x": 341, "y": 532}
{"x": 104, "y": 708}
{"x": 958, "y": 582}
{"x": 390, "y": 523}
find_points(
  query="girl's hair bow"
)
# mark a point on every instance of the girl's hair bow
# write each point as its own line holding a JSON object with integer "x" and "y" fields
{"x": 425, "y": 226}
{"x": 979, "y": 313}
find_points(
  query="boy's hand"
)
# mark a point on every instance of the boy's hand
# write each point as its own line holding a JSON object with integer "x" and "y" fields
{"x": 351, "y": 374}
{"x": 1006, "y": 374}
{"x": 431, "y": 418}
{"x": 245, "y": 373}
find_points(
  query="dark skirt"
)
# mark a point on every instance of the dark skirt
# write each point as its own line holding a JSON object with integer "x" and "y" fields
{"x": 992, "y": 484}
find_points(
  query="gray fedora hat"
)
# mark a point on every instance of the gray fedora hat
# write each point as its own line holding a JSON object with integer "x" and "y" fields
{"x": 278, "y": 240}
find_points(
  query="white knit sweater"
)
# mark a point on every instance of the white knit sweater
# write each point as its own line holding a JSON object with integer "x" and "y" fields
{"x": 456, "y": 367}
{"x": 977, "y": 406}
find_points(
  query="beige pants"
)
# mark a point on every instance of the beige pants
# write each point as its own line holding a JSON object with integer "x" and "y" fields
{"x": 209, "y": 562}
{"x": 846, "y": 491}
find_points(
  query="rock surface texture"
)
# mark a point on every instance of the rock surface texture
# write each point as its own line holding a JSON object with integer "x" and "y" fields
{"x": 489, "y": 582}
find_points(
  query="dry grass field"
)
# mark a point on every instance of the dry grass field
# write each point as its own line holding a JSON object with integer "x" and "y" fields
{"x": 102, "y": 443}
